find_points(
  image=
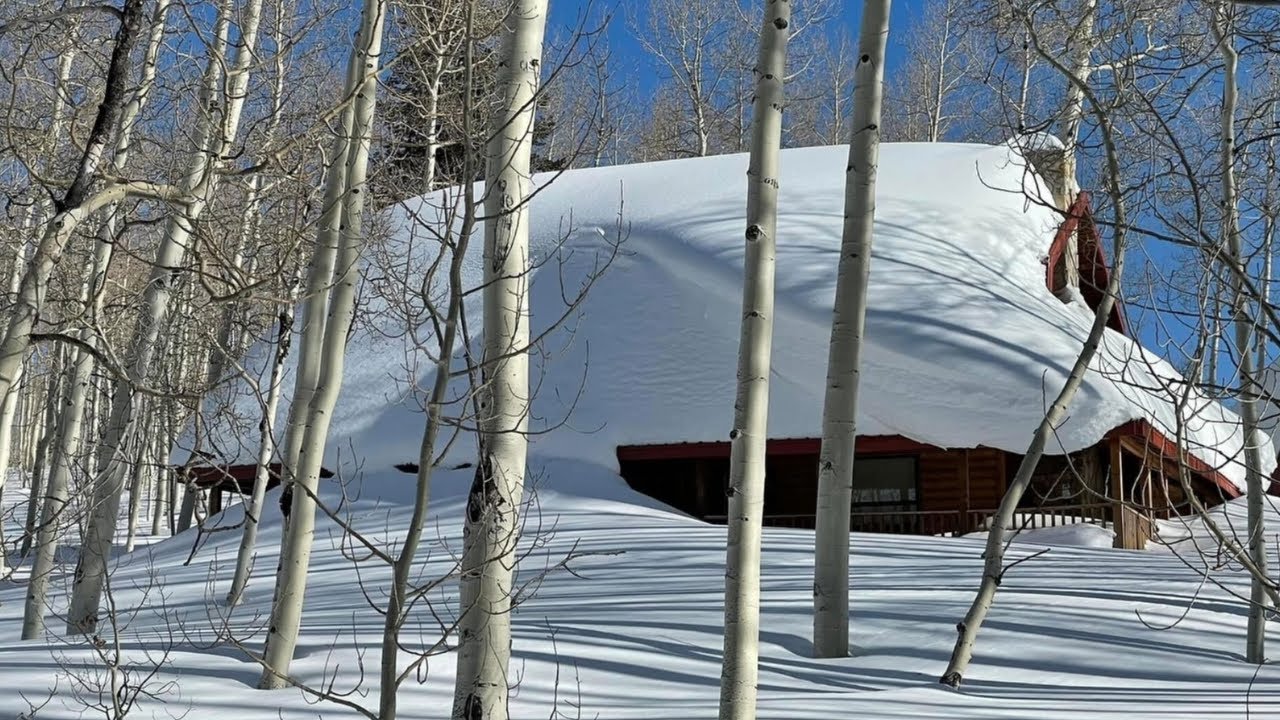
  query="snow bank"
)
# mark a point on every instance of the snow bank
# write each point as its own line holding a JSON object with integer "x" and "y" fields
{"x": 636, "y": 633}
{"x": 966, "y": 346}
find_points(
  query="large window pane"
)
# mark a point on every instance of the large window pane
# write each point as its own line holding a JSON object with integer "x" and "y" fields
{"x": 885, "y": 483}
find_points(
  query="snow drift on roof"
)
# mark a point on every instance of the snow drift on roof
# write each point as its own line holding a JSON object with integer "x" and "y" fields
{"x": 966, "y": 346}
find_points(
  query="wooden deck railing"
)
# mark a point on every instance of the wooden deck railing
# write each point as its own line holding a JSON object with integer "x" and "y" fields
{"x": 951, "y": 523}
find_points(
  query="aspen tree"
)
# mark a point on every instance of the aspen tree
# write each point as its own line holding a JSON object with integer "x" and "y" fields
{"x": 997, "y": 538}
{"x": 840, "y": 405}
{"x": 491, "y": 527}
{"x": 1245, "y": 339}
{"x": 291, "y": 577}
{"x": 740, "y": 669}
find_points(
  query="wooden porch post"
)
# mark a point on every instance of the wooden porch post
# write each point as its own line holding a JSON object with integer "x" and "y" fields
{"x": 968, "y": 499}
{"x": 1118, "y": 515}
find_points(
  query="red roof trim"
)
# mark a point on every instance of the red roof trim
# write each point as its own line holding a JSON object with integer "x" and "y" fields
{"x": 897, "y": 444}
{"x": 1095, "y": 273}
{"x": 866, "y": 445}
{"x": 1169, "y": 449}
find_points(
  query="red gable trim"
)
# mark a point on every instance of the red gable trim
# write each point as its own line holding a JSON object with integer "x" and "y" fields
{"x": 1095, "y": 274}
{"x": 1167, "y": 448}
{"x": 866, "y": 445}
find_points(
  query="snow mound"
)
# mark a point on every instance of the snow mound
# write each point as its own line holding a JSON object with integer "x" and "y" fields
{"x": 966, "y": 345}
{"x": 636, "y": 632}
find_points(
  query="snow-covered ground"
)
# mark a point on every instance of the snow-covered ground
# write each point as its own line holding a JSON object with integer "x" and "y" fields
{"x": 963, "y": 340}
{"x": 637, "y": 635}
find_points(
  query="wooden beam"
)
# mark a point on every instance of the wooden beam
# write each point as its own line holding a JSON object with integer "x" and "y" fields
{"x": 1120, "y": 519}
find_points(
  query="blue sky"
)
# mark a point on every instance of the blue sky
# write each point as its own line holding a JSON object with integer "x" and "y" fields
{"x": 564, "y": 13}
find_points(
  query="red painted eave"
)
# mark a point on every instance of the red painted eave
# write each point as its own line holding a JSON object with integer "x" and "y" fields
{"x": 866, "y": 445}
{"x": 1169, "y": 449}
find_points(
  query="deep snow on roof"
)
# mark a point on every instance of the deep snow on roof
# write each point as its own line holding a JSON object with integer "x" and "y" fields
{"x": 965, "y": 345}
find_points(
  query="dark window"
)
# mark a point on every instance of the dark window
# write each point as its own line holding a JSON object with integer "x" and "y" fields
{"x": 885, "y": 484}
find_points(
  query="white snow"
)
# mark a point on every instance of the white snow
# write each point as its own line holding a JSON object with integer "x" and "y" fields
{"x": 638, "y": 634}
{"x": 966, "y": 346}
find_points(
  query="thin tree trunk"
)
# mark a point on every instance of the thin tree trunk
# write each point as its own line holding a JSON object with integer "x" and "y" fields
{"x": 159, "y": 509}
{"x": 1083, "y": 40}
{"x": 8, "y": 411}
{"x": 399, "y": 592}
{"x": 939, "y": 93}
{"x": 54, "y": 399}
{"x": 491, "y": 529}
{"x": 840, "y": 406}
{"x": 64, "y": 455}
{"x": 741, "y": 661}
{"x": 253, "y": 509}
{"x": 136, "y": 484}
{"x": 993, "y": 565}
{"x": 291, "y": 578}
{"x": 1245, "y": 342}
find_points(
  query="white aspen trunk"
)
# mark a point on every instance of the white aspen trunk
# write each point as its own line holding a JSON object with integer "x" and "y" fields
{"x": 8, "y": 411}
{"x": 54, "y": 399}
{"x": 939, "y": 92}
{"x": 1083, "y": 40}
{"x": 253, "y": 509}
{"x": 291, "y": 577}
{"x": 840, "y": 405}
{"x": 315, "y": 304}
{"x": 27, "y": 415}
{"x": 63, "y": 456}
{"x": 1024, "y": 88}
{"x": 491, "y": 529}
{"x": 740, "y": 669}
{"x": 138, "y": 481}
{"x": 160, "y": 506}
{"x": 993, "y": 556}
{"x": 215, "y": 136}
{"x": 433, "y": 123}
{"x": 284, "y": 336}
{"x": 701, "y": 132}
{"x": 1245, "y": 343}
{"x": 186, "y": 353}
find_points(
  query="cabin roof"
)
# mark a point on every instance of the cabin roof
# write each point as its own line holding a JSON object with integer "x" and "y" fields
{"x": 965, "y": 343}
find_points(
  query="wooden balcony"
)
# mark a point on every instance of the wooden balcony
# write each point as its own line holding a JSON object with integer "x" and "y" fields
{"x": 951, "y": 523}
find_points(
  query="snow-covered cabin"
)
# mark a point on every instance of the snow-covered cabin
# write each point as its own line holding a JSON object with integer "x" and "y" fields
{"x": 980, "y": 300}
{"x": 986, "y": 272}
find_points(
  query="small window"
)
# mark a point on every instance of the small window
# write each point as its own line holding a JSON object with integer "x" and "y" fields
{"x": 885, "y": 484}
